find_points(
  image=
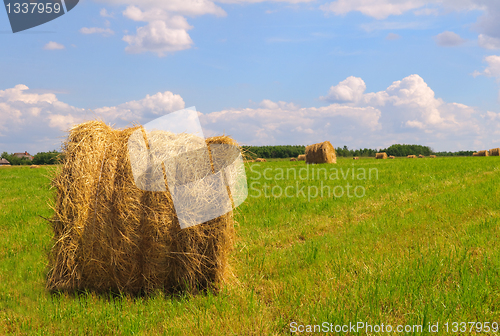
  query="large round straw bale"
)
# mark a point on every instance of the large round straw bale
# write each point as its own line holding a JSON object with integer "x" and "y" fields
{"x": 355, "y": 158}
{"x": 321, "y": 153}
{"x": 420, "y": 156}
{"x": 382, "y": 155}
{"x": 392, "y": 157}
{"x": 411, "y": 156}
{"x": 301, "y": 157}
{"x": 293, "y": 159}
{"x": 109, "y": 235}
{"x": 483, "y": 153}
{"x": 432, "y": 156}
{"x": 260, "y": 160}
{"x": 495, "y": 152}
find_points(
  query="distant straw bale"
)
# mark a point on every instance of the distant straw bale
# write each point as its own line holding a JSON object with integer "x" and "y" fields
{"x": 301, "y": 157}
{"x": 483, "y": 153}
{"x": 260, "y": 160}
{"x": 34, "y": 166}
{"x": 382, "y": 155}
{"x": 475, "y": 154}
{"x": 411, "y": 156}
{"x": 293, "y": 159}
{"x": 432, "y": 156}
{"x": 495, "y": 152}
{"x": 392, "y": 157}
{"x": 321, "y": 153}
{"x": 110, "y": 235}
{"x": 355, "y": 158}
{"x": 420, "y": 156}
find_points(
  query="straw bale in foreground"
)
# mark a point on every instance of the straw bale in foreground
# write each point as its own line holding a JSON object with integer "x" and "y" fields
{"x": 109, "y": 235}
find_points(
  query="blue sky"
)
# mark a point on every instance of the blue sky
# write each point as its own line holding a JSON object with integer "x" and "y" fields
{"x": 361, "y": 73}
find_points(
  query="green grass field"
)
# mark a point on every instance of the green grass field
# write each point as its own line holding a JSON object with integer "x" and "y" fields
{"x": 416, "y": 243}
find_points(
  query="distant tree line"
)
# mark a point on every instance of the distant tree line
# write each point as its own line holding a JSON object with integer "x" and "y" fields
{"x": 396, "y": 150}
{"x": 345, "y": 152}
{"x": 459, "y": 153}
{"x": 286, "y": 151}
{"x": 273, "y": 151}
{"x": 42, "y": 158}
{"x": 405, "y": 150}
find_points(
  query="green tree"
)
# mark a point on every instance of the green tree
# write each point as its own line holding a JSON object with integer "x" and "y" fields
{"x": 47, "y": 158}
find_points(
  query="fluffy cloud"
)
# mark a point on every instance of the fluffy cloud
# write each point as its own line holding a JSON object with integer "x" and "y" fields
{"x": 378, "y": 9}
{"x": 95, "y": 30}
{"x": 448, "y": 39}
{"x": 167, "y": 27}
{"x": 159, "y": 38}
{"x": 181, "y": 7}
{"x": 406, "y": 112}
{"x": 349, "y": 90}
{"x": 381, "y": 9}
{"x": 27, "y": 118}
{"x": 493, "y": 68}
{"x": 392, "y": 36}
{"x": 165, "y": 33}
{"x": 140, "y": 110}
{"x": 104, "y": 13}
{"x": 488, "y": 42}
{"x": 492, "y": 116}
{"x": 37, "y": 122}
{"x": 53, "y": 46}
{"x": 411, "y": 103}
{"x": 280, "y": 123}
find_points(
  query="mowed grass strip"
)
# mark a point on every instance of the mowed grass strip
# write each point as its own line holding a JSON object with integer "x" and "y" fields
{"x": 419, "y": 246}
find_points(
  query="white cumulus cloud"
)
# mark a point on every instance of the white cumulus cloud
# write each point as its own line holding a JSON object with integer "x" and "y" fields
{"x": 37, "y": 122}
{"x": 53, "y": 46}
{"x": 378, "y": 9}
{"x": 157, "y": 37}
{"x": 96, "y": 30}
{"x": 139, "y": 110}
{"x": 488, "y": 42}
{"x": 493, "y": 68}
{"x": 349, "y": 90}
{"x": 448, "y": 39}
{"x": 406, "y": 112}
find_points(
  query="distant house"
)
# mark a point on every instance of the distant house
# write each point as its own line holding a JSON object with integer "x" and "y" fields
{"x": 4, "y": 162}
{"x": 24, "y": 155}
